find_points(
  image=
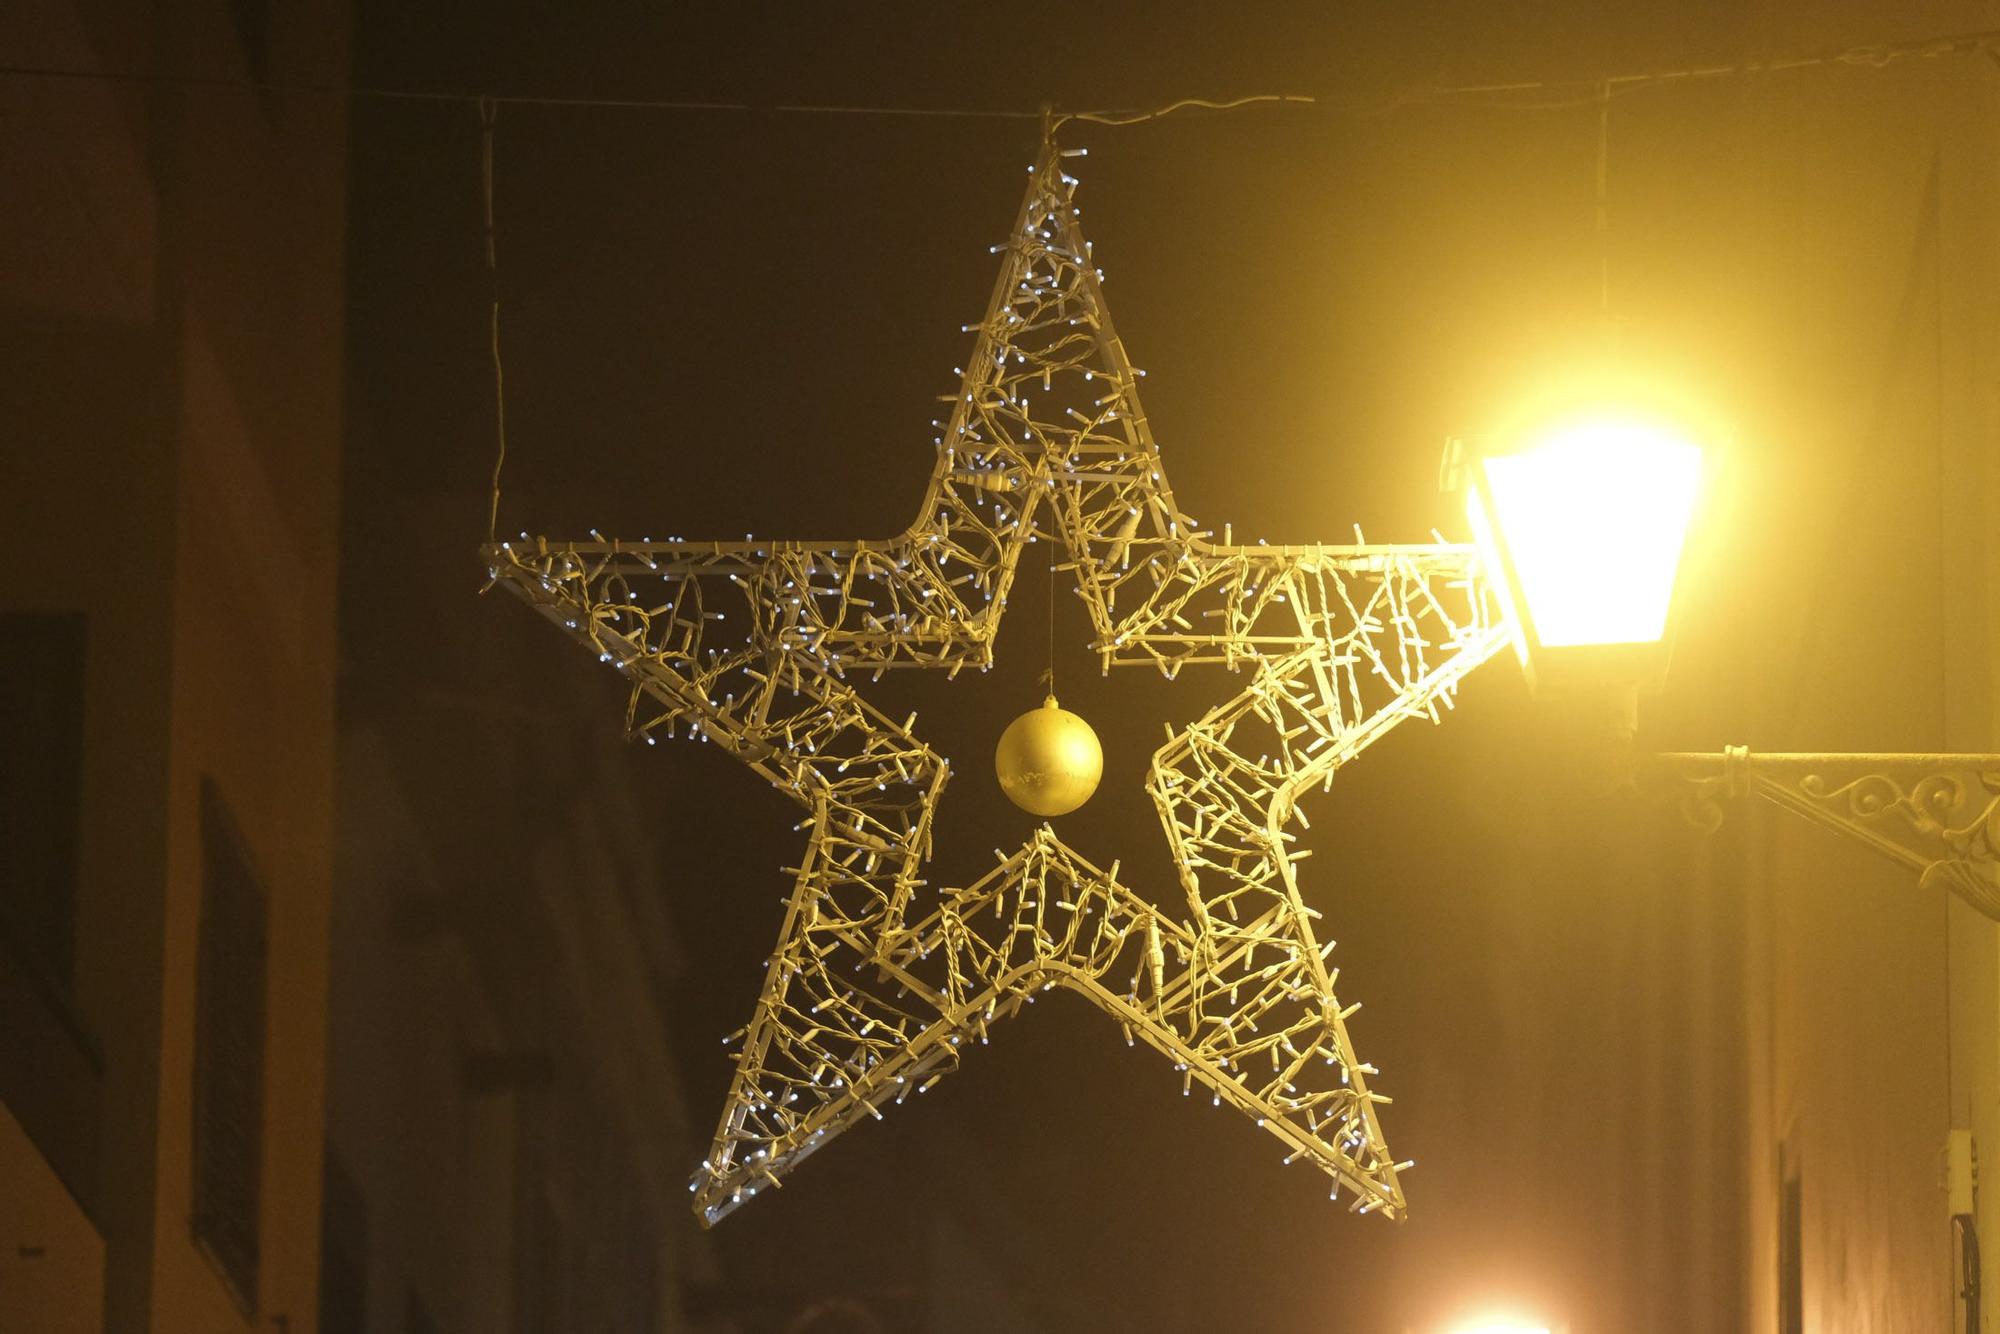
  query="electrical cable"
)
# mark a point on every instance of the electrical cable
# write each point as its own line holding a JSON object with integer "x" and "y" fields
{"x": 1973, "y": 1277}
{"x": 1505, "y": 95}
{"x": 1185, "y": 104}
{"x": 1580, "y": 92}
{"x": 489, "y": 112}
{"x": 1510, "y": 95}
{"x": 1968, "y": 1268}
{"x": 392, "y": 94}
{"x": 1604, "y": 199}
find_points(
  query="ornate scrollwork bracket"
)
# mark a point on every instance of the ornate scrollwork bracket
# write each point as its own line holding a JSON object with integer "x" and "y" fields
{"x": 1937, "y": 814}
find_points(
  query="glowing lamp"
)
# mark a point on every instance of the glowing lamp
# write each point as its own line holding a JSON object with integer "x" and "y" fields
{"x": 1582, "y": 522}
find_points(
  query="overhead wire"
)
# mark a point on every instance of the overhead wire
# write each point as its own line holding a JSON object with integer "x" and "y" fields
{"x": 489, "y": 112}
{"x": 403, "y": 94}
{"x": 1515, "y": 95}
{"x": 1585, "y": 91}
{"x": 1603, "y": 202}
{"x": 1520, "y": 94}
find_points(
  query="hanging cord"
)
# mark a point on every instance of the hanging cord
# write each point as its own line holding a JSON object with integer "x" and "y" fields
{"x": 1968, "y": 1269}
{"x": 1049, "y": 675}
{"x": 489, "y": 111}
{"x": 1185, "y": 104}
{"x": 1604, "y": 198}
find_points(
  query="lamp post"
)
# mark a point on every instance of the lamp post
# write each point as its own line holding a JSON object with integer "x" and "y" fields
{"x": 1583, "y": 521}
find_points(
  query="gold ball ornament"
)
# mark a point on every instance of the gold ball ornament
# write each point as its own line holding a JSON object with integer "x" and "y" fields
{"x": 1048, "y": 760}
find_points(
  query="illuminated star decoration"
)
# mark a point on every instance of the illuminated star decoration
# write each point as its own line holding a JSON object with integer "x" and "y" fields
{"x": 880, "y": 978}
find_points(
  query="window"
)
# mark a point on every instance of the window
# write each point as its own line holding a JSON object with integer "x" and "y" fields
{"x": 252, "y": 20}
{"x": 540, "y": 1292}
{"x": 229, "y": 1052}
{"x": 1791, "y": 1287}
{"x": 418, "y": 1319}
{"x": 41, "y": 790}
{"x": 343, "y": 1252}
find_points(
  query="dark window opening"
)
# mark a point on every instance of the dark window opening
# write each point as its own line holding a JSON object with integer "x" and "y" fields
{"x": 41, "y": 791}
{"x": 542, "y": 1264}
{"x": 343, "y": 1252}
{"x": 252, "y": 21}
{"x": 418, "y": 1319}
{"x": 1791, "y": 1269}
{"x": 229, "y": 1052}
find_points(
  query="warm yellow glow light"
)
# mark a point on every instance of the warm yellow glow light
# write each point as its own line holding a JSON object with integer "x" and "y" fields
{"x": 1594, "y": 516}
{"x": 1505, "y": 1327}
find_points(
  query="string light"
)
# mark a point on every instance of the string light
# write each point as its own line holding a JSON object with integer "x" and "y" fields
{"x": 1343, "y": 643}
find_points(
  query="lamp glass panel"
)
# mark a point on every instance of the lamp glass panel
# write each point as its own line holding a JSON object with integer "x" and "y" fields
{"x": 1594, "y": 517}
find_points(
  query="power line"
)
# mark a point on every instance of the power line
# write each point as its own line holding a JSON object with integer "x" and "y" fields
{"x": 1579, "y": 92}
{"x": 1517, "y": 94}
{"x": 488, "y": 114}
{"x": 393, "y": 94}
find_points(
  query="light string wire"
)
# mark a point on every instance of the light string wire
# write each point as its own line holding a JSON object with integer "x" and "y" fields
{"x": 1055, "y": 121}
{"x": 489, "y": 112}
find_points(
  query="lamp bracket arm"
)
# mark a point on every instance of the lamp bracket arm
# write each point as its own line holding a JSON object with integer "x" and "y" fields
{"x": 1938, "y": 814}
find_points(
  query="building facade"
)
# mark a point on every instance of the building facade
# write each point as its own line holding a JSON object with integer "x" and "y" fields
{"x": 171, "y": 295}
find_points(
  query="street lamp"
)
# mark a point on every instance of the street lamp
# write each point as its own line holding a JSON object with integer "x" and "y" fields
{"x": 1488, "y": 1322}
{"x": 1583, "y": 521}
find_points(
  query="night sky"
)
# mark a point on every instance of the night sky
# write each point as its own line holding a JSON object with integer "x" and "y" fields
{"x": 720, "y": 323}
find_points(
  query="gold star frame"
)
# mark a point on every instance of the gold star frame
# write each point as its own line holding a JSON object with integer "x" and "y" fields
{"x": 880, "y": 978}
